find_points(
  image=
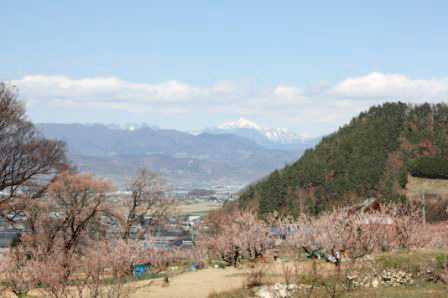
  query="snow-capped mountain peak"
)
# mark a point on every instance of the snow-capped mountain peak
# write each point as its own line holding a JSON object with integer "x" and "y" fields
{"x": 258, "y": 133}
{"x": 272, "y": 138}
{"x": 131, "y": 126}
{"x": 241, "y": 123}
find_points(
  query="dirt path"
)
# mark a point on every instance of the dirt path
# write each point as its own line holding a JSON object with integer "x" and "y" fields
{"x": 201, "y": 283}
{"x": 192, "y": 284}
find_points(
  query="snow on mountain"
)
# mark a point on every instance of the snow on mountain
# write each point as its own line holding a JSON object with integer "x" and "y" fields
{"x": 282, "y": 135}
{"x": 131, "y": 126}
{"x": 279, "y": 135}
{"x": 279, "y": 138}
{"x": 241, "y": 123}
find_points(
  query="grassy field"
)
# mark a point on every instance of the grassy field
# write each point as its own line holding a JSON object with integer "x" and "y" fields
{"x": 201, "y": 208}
{"x": 420, "y": 291}
{"x": 418, "y": 186}
{"x": 413, "y": 262}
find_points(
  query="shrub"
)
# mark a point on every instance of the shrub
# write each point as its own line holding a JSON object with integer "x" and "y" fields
{"x": 430, "y": 167}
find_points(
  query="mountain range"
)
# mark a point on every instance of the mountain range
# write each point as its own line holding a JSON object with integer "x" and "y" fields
{"x": 273, "y": 138}
{"x": 116, "y": 151}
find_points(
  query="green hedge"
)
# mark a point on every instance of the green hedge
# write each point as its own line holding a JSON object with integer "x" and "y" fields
{"x": 430, "y": 167}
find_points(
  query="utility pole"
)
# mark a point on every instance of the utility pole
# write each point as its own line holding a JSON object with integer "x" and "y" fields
{"x": 424, "y": 208}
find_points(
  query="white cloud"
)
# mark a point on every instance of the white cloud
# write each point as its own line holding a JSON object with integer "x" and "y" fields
{"x": 105, "y": 90}
{"x": 287, "y": 91}
{"x": 323, "y": 102}
{"x": 379, "y": 86}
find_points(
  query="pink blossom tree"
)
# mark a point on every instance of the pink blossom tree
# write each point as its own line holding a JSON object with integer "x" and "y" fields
{"x": 240, "y": 234}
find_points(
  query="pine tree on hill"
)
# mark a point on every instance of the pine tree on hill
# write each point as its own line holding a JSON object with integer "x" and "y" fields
{"x": 369, "y": 157}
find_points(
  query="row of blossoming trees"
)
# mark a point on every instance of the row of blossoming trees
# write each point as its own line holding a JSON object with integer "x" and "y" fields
{"x": 341, "y": 237}
{"x": 338, "y": 234}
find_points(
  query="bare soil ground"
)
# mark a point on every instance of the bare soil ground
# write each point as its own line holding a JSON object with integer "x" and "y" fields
{"x": 204, "y": 282}
{"x": 196, "y": 284}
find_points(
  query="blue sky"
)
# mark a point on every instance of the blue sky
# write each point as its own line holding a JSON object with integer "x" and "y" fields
{"x": 309, "y": 66}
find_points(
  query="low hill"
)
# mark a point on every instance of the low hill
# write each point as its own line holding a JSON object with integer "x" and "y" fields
{"x": 183, "y": 158}
{"x": 369, "y": 157}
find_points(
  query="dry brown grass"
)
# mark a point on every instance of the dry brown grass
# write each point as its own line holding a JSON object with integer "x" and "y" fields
{"x": 201, "y": 207}
{"x": 418, "y": 186}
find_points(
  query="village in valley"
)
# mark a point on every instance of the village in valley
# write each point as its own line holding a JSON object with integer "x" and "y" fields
{"x": 193, "y": 204}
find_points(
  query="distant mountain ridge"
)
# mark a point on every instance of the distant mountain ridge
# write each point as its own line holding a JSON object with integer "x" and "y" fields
{"x": 130, "y": 126}
{"x": 274, "y": 138}
{"x": 183, "y": 158}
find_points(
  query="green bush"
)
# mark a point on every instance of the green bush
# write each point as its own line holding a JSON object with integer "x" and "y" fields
{"x": 16, "y": 240}
{"x": 430, "y": 167}
{"x": 403, "y": 178}
{"x": 442, "y": 261}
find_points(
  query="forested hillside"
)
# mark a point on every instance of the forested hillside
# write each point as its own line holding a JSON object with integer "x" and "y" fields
{"x": 369, "y": 157}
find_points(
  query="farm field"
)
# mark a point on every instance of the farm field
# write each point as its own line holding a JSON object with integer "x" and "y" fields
{"x": 418, "y": 186}
{"x": 201, "y": 208}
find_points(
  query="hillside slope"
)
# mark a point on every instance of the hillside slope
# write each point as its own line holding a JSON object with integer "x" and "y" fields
{"x": 370, "y": 156}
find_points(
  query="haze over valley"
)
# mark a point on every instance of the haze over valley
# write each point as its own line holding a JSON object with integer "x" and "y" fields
{"x": 235, "y": 153}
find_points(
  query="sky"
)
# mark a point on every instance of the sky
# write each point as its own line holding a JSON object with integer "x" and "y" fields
{"x": 309, "y": 66}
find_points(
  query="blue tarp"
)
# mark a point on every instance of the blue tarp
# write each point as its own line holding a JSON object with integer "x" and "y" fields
{"x": 141, "y": 269}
